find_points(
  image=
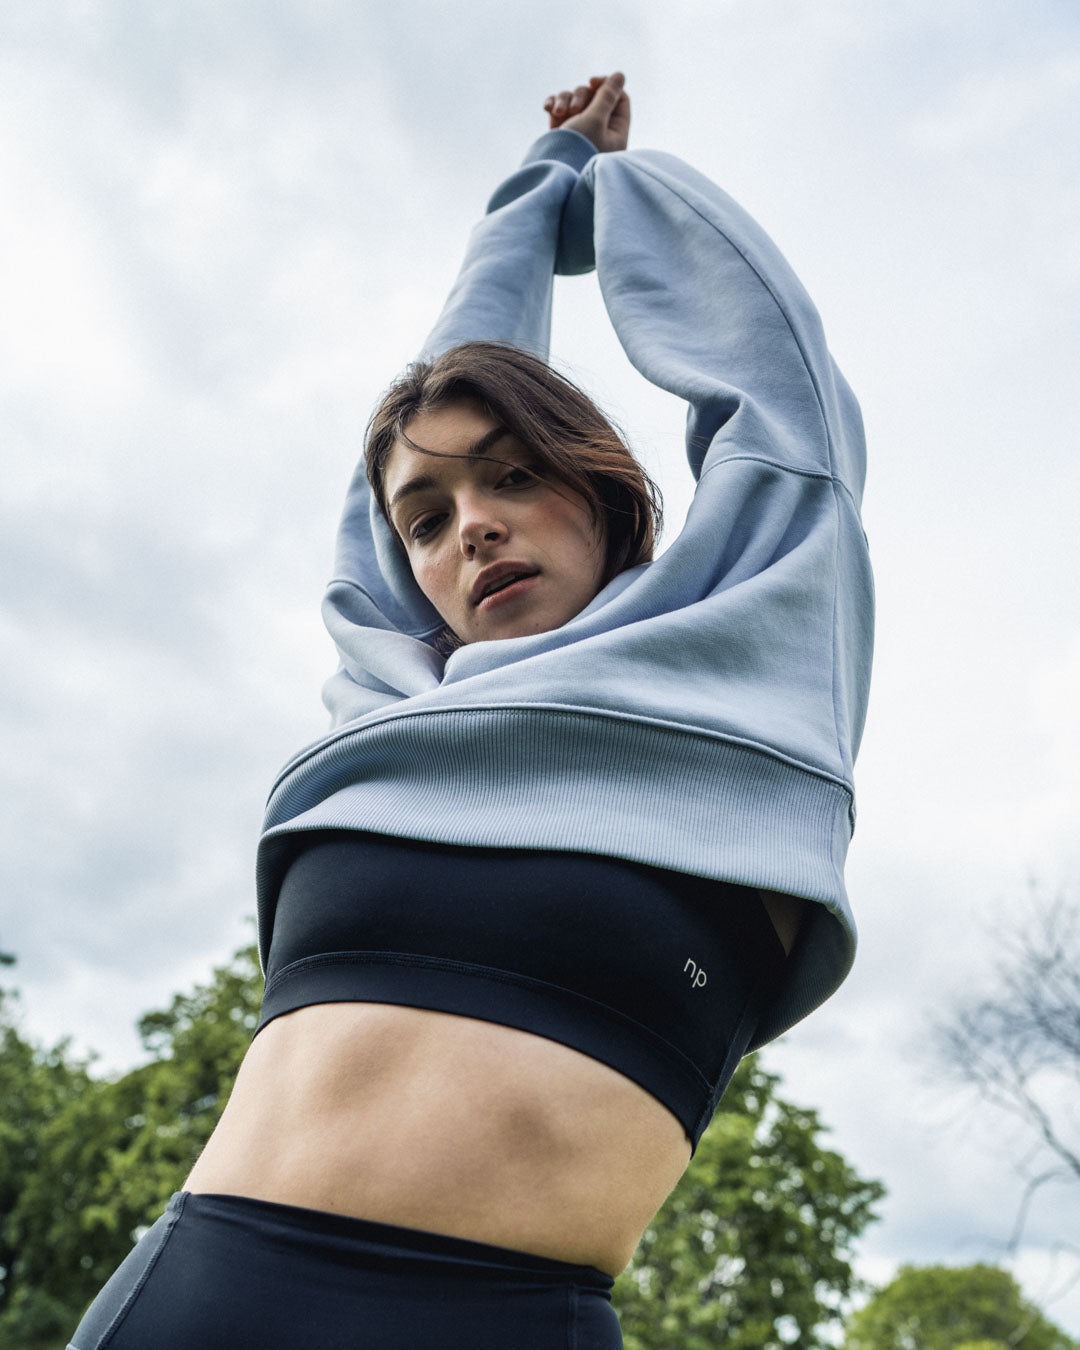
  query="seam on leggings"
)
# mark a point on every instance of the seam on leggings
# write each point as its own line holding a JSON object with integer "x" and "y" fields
{"x": 750, "y": 1011}
{"x": 571, "y": 1317}
{"x": 126, "y": 1306}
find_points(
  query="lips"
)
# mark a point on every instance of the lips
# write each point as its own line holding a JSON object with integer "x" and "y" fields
{"x": 494, "y": 578}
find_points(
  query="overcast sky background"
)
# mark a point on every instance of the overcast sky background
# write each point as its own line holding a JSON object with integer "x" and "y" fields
{"x": 225, "y": 227}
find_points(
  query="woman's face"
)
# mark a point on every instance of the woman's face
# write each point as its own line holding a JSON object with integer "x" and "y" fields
{"x": 499, "y": 552}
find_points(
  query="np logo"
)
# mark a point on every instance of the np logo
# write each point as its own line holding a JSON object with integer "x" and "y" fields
{"x": 697, "y": 975}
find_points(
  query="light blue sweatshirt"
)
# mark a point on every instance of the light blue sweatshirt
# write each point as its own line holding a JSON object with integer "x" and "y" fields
{"x": 703, "y": 712}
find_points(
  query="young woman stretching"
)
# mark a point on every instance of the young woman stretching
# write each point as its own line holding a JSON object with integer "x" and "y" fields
{"x": 575, "y": 841}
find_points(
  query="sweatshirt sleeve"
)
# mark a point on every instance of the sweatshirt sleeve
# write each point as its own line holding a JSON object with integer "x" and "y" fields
{"x": 706, "y": 306}
{"x": 380, "y": 621}
{"x": 503, "y": 291}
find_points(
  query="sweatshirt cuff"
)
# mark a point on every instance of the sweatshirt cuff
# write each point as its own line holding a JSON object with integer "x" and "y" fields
{"x": 567, "y": 146}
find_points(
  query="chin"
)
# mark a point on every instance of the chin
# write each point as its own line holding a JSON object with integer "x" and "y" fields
{"x": 533, "y": 627}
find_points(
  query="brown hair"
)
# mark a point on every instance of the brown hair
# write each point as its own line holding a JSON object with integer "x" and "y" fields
{"x": 565, "y": 432}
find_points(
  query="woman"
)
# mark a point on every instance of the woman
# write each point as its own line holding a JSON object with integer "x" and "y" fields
{"x": 575, "y": 841}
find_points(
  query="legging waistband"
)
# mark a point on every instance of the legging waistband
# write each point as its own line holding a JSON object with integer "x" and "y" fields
{"x": 363, "y": 1240}
{"x": 224, "y": 1272}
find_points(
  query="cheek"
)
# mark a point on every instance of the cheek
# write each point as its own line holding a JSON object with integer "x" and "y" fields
{"x": 573, "y": 522}
{"x": 433, "y": 575}
{"x": 594, "y": 546}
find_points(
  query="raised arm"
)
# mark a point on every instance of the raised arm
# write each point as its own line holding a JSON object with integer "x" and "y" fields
{"x": 502, "y": 293}
{"x": 706, "y": 306}
{"x": 504, "y": 289}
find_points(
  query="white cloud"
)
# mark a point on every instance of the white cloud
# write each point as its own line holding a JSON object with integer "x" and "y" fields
{"x": 225, "y": 232}
{"x": 986, "y": 106}
{"x": 1050, "y": 1277}
{"x": 61, "y": 325}
{"x": 1054, "y": 801}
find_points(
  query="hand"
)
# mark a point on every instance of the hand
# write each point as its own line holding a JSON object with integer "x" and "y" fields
{"x": 599, "y": 110}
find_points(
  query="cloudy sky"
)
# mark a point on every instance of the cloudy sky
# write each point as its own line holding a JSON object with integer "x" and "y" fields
{"x": 224, "y": 229}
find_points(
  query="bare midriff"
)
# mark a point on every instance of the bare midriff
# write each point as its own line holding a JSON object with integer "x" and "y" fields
{"x": 448, "y": 1124}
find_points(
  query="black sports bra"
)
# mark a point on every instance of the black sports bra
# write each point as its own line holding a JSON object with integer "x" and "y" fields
{"x": 661, "y": 975}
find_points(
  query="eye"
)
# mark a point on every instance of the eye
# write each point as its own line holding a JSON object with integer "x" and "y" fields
{"x": 518, "y": 477}
{"x": 426, "y": 526}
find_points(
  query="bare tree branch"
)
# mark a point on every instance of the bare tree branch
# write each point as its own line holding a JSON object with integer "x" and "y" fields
{"x": 1019, "y": 1045}
{"x": 1013, "y": 1244}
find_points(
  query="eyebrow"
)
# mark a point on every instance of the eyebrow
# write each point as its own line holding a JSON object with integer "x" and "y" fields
{"x": 421, "y": 482}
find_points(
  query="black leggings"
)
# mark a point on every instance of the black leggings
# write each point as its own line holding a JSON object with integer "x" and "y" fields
{"x": 219, "y": 1272}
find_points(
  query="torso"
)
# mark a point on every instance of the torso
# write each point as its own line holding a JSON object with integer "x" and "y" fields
{"x": 428, "y": 1120}
{"x": 453, "y": 1125}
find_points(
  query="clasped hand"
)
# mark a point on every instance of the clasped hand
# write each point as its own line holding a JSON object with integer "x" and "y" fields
{"x": 599, "y": 110}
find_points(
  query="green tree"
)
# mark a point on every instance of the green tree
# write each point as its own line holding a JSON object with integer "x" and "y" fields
{"x": 92, "y": 1161}
{"x": 952, "y": 1308}
{"x": 35, "y": 1087}
{"x": 752, "y": 1250}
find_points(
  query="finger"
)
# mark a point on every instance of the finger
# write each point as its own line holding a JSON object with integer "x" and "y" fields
{"x": 611, "y": 90}
{"x": 580, "y": 98}
{"x": 562, "y": 103}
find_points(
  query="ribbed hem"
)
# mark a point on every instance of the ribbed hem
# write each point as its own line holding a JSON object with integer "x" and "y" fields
{"x": 564, "y": 144}
{"x": 548, "y": 778}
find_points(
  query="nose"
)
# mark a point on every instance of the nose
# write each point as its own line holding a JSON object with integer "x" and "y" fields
{"x": 479, "y": 526}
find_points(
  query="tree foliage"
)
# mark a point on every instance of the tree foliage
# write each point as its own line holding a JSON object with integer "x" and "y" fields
{"x": 85, "y": 1163}
{"x": 952, "y": 1308}
{"x": 753, "y": 1248}
{"x": 36, "y": 1087}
